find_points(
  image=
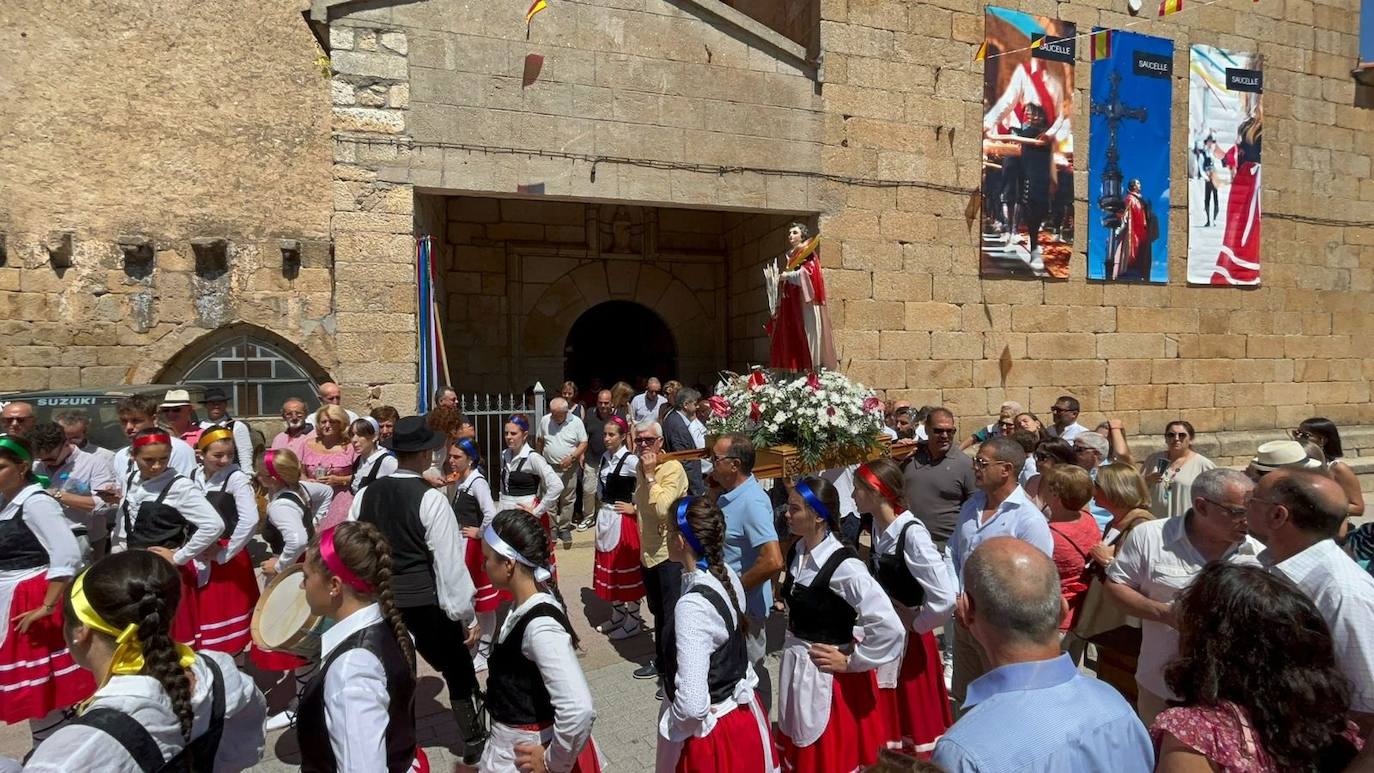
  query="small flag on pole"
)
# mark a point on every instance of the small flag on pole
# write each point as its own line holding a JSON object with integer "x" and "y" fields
{"x": 982, "y": 52}
{"x": 1167, "y": 7}
{"x": 1037, "y": 41}
{"x": 1102, "y": 44}
{"x": 535, "y": 8}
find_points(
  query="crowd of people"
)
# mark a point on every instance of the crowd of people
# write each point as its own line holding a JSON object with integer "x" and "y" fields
{"x": 1034, "y": 599}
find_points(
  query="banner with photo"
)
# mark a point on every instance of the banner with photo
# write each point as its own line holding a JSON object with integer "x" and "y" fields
{"x": 1128, "y": 156}
{"x": 1225, "y": 131}
{"x": 1027, "y": 214}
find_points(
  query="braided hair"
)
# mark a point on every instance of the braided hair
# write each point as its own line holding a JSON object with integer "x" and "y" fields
{"x": 707, "y": 523}
{"x": 143, "y": 588}
{"x": 366, "y": 553}
{"x": 522, "y": 530}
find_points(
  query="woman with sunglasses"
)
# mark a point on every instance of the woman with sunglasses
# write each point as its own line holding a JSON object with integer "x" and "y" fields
{"x": 1170, "y": 473}
{"x": 1046, "y": 455}
{"x": 1323, "y": 432}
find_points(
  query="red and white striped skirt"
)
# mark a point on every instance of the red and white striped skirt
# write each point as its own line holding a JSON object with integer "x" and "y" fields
{"x": 186, "y": 622}
{"x": 920, "y": 703}
{"x": 37, "y": 673}
{"x": 487, "y": 598}
{"x": 226, "y": 604}
{"x": 860, "y": 726}
{"x": 617, "y": 575}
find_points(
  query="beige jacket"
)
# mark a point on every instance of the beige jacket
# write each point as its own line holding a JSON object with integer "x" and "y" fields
{"x": 653, "y": 502}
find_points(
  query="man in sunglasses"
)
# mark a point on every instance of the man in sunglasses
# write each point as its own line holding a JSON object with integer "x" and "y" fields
{"x": 74, "y": 477}
{"x": 938, "y": 480}
{"x": 1065, "y": 413}
{"x": 17, "y": 418}
{"x": 659, "y": 484}
{"x": 1160, "y": 558}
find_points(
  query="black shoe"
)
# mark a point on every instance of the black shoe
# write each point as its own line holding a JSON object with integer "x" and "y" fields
{"x": 469, "y": 714}
{"x": 660, "y": 695}
{"x": 646, "y": 671}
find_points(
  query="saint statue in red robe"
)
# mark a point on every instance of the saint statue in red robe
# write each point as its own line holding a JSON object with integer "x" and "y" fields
{"x": 799, "y": 333}
{"x": 1132, "y": 259}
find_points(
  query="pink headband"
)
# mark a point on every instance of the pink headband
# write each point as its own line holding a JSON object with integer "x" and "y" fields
{"x": 619, "y": 421}
{"x": 336, "y": 566}
{"x": 271, "y": 468}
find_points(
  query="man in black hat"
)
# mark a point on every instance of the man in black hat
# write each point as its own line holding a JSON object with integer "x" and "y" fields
{"x": 429, "y": 577}
{"x": 217, "y": 408}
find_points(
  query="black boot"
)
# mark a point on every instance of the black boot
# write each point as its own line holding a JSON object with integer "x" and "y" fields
{"x": 471, "y": 716}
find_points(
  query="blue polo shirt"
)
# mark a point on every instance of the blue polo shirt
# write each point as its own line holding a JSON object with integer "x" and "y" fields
{"x": 748, "y": 527}
{"x": 1044, "y": 716}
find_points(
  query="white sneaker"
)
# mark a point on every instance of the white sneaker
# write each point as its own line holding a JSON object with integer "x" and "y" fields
{"x": 1036, "y": 263}
{"x": 626, "y": 632}
{"x": 479, "y": 663}
{"x": 616, "y": 622}
{"x": 280, "y": 721}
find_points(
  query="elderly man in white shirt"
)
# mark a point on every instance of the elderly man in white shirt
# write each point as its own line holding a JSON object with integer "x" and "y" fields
{"x": 1160, "y": 558}
{"x": 562, "y": 440}
{"x": 1296, "y": 514}
{"x": 647, "y": 404}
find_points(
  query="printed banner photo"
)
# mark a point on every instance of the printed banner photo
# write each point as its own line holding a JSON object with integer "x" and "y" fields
{"x": 1225, "y": 129}
{"x": 1027, "y": 221}
{"x": 1128, "y": 157}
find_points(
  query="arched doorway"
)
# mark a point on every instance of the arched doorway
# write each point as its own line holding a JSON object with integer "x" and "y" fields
{"x": 618, "y": 341}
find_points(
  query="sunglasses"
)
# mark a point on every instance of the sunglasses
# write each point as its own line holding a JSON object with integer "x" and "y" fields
{"x": 1175, "y": 435}
{"x": 980, "y": 463}
{"x": 16, "y": 419}
{"x": 1007, "y": 424}
{"x": 1057, "y": 409}
{"x": 942, "y": 430}
{"x": 1301, "y": 434}
{"x": 646, "y": 441}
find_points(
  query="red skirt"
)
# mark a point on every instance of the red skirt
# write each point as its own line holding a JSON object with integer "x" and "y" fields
{"x": 588, "y": 761}
{"x": 186, "y": 622}
{"x": 734, "y": 745}
{"x": 920, "y": 703}
{"x": 860, "y": 727}
{"x": 1239, "y": 261}
{"x": 37, "y": 673}
{"x": 226, "y": 604}
{"x": 617, "y": 575}
{"x": 487, "y": 598}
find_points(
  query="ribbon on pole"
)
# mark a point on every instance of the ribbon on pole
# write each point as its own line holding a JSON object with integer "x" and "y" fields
{"x": 433, "y": 367}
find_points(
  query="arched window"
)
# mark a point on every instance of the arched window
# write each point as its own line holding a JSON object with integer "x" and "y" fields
{"x": 258, "y": 376}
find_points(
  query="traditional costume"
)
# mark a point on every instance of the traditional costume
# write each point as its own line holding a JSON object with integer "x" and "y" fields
{"x": 617, "y": 576}
{"x": 292, "y": 516}
{"x": 473, "y": 508}
{"x": 379, "y": 464}
{"x": 230, "y": 591}
{"x": 1133, "y": 248}
{"x": 1239, "y": 261}
{"x": 527, "y": 480}
{"x": 834, "y": 722}
{"x": 712, "y": 720}
{"x": 37, "y": 673}
{"x": 799, "y": 332}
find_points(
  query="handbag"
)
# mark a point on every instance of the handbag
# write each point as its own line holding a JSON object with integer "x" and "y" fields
{"x": 1100, "y": 620}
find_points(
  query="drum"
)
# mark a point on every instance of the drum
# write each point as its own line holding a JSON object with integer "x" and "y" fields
{"x": 282, "y": 620}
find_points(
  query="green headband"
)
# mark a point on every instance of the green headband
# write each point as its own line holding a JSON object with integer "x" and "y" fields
{"x": 24, "y": 456}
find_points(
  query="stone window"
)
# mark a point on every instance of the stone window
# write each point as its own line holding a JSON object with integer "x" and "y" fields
{"x": 257, "y": 375}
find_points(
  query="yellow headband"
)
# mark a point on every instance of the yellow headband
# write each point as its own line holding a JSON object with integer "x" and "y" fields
{"x": 128, "y": 654}
{"x": 213, "y": 436}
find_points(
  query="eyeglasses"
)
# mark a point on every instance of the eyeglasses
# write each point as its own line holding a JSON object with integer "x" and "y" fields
{"x": 16, "y": 419}
{"x": 718, "y": 459}
{"x": 1082, "y": 449}
{"x": 1236, "y": 512}
{"x": 980, "y": 463}
{"x": 646, "y": 441}
{"x": 1006, "y": 424}
{"x": 942, "y": 430}
{"x": 1057, "y": 409}
{"x": 1301, "y": 435}
{"x": 1175, "y": 435}
{"x": 1040, "y": 456}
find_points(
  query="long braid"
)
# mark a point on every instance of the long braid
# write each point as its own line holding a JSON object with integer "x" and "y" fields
{"x": 708, "y": 524}
{"x": 365, "y": 551}
{"x": 160, "y": 658}
{"x": 522, "y": 530}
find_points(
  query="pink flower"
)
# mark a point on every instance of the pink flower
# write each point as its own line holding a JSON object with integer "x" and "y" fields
{"x": 872, "y": 404}
{"x": 830, "y": 411}
{"x": 719, "y": 408}
{"x": 813, "y": 381}
{"x": 754, "y": 412}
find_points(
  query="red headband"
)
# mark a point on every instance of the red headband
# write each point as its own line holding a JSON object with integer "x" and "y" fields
{"x": 336, "y": 566}
{"x": 267, "y": 462}
{"x": 871, "y": 478}
{"x": 147, "y": 440}
{"x": 619, "y": 421}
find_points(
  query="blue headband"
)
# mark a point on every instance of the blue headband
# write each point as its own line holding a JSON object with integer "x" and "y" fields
{"x": 687, "y": 534}
{"x": 470, "y": 449}
{"x": 813, "y": 501}
{"x": 520, "y": 421}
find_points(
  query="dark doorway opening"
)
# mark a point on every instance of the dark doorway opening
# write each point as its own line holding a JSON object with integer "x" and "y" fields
{"x": 618, "y": 341}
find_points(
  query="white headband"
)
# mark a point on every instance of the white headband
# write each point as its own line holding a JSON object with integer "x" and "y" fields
{"x": 499, "y": 545}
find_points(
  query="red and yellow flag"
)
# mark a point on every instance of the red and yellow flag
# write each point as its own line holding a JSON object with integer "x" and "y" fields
{"x": 982, "y": 53}
{"x": 535, "y": 8}
{"x": 1102, "y": 44}
{"x": 1037, "y": 42}
{"x": 1167, "y": 7}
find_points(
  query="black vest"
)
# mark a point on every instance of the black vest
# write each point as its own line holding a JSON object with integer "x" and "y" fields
{"x": 617, "y": 487}
{"x": 313, "y": 733}
{"x": 392, "y": 504}
{"x": 728, "y": 662}
{"x": 516, "y": 694}
{"x": 372, "y": 473}
{"x": 224, "y": 504}
{"x": 273, "y": 535}
{"x": 19, "y": 548}
{"x": 520, "y": 483}
{"x": 895, "y": 576}
{"x": 814, "y": 612}
{"x": 157, "y": 525}
{"x": 466, "y": 507}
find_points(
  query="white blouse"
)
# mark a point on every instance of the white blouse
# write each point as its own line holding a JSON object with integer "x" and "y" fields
{"x": 245, "y": 502}
{"x": 183, "y": 461}
{"x": 476, "y": 485}
{"x": 928, "y": 567}
{"x": 550, "y": 484}
{"x": 698, "y": 632}
{"x": 289, "y": 520}
{"x": 356, "y": 700}
{"x": 609, "y": 462}
{"x": 386, "y": 466}
{"x": 188, "y": 500}
{"x": 50, "y": 527}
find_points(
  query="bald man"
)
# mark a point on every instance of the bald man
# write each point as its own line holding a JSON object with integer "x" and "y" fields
{"x": 1296, "y": 514}
{"x": 562, "y": 439}
{"x": 331, "y": 394}
{"x": 1034, "y": 711}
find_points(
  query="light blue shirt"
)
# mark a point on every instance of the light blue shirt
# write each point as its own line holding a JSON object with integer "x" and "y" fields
{"x": 1100, "y": 514}
{"x": 748, "y": 527}
{"x": 1017, "y": 517}
{"x": 1044, "y": 716}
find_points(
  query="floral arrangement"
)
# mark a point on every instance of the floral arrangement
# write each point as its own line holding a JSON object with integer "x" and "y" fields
{"x": 825, "y": 416}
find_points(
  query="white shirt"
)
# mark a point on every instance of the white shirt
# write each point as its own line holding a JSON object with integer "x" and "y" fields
{"x": 446, "y": 544}
{"x": 1070, "y": 432}
{"x": 609, "y": 463}
{"x": 83, "y": 473}
{"x": 1017, "y": 517}
{"x": 243, "y": 438}
{"x": 387, "y": 466}
{"x": 188, "y": 500}
{"x": 698, "y": 431}
{"x": 883, "y": 637}
{"x": 698, "y": 632}
{"x": 561, "y": 439}
{"x": 356, "y": 701}
{"x": 73, "y": 748}
{"x": 290, "y": 521}
{"x": 1344, "y": 594}
{"x": 245, "y": 503}
{"x": 44, "y": 518}
{"x": 183, "y": 461}
{"x": 1159, "y": 561}
{"x": 550, "y": 648}
{"x": 476, "y": 484}
{"x": 641, "y": 408}
{"x": 551, "y": 486}
{"x": 927, "y": 566}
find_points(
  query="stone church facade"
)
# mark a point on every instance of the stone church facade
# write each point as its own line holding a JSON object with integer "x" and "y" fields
{"x": 261, "y": 169}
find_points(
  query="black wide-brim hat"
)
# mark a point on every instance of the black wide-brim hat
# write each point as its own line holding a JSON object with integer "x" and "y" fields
{"x": 413, "y": 434}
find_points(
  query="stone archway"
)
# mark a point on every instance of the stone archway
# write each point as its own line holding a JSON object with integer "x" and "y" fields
{"x": 644, "y": 345}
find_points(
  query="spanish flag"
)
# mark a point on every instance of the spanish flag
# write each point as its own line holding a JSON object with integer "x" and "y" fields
{"x": 1167, "y": 7}
{"x": 982, "y": 52}
{"x": 1102, "y": 44}
{"x": 535, "y": 8}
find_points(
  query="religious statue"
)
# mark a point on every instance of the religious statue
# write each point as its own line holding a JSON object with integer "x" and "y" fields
{"x": 799, "y": 333}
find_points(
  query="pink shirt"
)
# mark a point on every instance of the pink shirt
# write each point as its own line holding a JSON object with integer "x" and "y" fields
{"x": 1223, "y": 735}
